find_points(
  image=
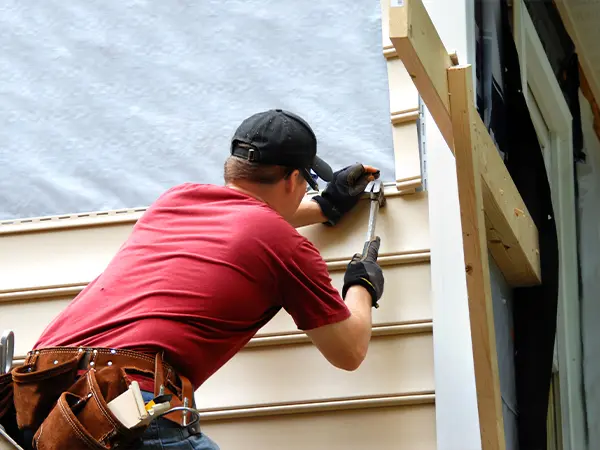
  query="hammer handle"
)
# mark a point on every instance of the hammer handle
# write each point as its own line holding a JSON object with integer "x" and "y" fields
{"x": 371, "y": 227}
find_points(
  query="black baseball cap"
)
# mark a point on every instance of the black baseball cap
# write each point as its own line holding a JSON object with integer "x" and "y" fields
{"x": 282, "y": 138}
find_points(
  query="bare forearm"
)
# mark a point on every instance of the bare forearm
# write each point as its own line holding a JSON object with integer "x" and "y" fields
{"x": 345, "y": 343}
{"x": 308, "y": 213}
{"x": 359, "y": 302}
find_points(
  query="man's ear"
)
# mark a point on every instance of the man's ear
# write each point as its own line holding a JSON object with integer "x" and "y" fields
{"x": 292, "y": 181}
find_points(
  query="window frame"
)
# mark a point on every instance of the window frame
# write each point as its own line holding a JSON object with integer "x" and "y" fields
{"x": 547, "y": 106}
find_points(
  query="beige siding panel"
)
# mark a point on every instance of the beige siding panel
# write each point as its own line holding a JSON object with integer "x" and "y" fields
{"x": 28, "y": 319}
{"x": 403, "y": 93}
{"x": 76, "y": 255}
{"x": 298, "y": 373}
{"x": 398, "y": 428}
{"x": 58, "y": 257}
{"x": 283, "y": 374}
{"x": 404, "y": 112}
{"x": 385, "y": 24}
{"x": 406, "y": 155}
{"x": 403, "y": 225}
{"x": 406, "y": 298}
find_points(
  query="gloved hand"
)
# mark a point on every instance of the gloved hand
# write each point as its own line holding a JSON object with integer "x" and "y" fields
{"x": 366, "y": 272}
{"x": 343, "y": 191}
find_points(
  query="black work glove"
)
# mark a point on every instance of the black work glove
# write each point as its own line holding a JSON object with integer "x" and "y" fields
{"x": 366, "y": 272}
{"x": 343, "y": 192}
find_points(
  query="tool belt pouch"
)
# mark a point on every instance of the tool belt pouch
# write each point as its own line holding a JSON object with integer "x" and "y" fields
{"x": 81, "y": 418}
{"x": 6, "y": 397}
{"x": 36, "y": 391}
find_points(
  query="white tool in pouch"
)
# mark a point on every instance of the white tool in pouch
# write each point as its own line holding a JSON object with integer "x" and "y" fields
{"x": 130, "y": 409}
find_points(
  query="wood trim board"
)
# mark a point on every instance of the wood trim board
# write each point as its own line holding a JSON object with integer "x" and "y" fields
{"x": 568, "y": 14}
{"x": 471, "y": 197}
{"x": 586, "y": 90}
{"x": 512, "y": 236}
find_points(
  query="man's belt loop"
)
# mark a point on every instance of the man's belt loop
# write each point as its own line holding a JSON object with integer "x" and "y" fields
{"x": 159, "y": 386}
{"x": 159, "y": 376}
{"x": 31, "y": 358}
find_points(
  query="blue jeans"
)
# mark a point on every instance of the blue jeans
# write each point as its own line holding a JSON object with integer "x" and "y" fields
{"x": 163, "y": 434}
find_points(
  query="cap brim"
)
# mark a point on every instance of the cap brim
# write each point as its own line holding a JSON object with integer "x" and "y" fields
{"x": 322, "y": 169}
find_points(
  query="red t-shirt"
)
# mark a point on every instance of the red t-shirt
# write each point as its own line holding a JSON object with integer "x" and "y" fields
{"x": 202, "y": 271}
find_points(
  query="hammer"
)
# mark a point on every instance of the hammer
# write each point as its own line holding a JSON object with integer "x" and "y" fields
{"x": 377, "y": 199}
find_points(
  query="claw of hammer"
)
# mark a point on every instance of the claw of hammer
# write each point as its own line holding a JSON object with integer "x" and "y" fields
{"x": 377, "y": 199}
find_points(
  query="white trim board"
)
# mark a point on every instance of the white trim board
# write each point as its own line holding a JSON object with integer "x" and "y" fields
{"x": 543, "y": 96}
{"x": 457, "y": 417}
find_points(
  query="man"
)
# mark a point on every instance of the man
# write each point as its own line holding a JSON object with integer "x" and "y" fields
{"x": 207, "y": 266}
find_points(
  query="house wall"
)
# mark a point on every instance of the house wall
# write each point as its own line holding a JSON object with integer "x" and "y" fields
{"x": 279, "y": 386}
{"x": 588, "y": 218}
{"x": 280, "y": 380}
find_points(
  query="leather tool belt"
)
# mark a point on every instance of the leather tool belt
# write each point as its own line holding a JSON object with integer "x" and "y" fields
{"x": 60, "y": 394}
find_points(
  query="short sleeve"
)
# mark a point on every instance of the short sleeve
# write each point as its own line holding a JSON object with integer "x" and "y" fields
{"x": 307, "y": 293}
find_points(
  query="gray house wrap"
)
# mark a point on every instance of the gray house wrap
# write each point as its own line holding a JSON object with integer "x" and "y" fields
{"x": 104, "y": 105}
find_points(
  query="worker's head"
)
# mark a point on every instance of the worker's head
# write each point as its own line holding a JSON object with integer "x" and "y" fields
{"x": 272, "y": 156}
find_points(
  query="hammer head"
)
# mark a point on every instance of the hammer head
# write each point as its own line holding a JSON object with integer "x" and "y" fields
{"x": 375, "y": 191}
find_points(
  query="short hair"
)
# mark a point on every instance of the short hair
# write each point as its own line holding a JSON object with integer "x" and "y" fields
{"x": 238, "y": 169}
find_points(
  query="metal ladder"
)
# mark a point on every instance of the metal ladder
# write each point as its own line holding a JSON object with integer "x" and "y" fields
{"x": 6, "y": 442}
{"x": 7, "y": 351}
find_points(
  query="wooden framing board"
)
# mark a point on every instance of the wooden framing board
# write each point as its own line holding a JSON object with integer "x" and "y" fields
{"x": 471, "y": 194}
{"x": 587, "y": 92}
{"x": 512, "y": 236}
{"x": 577, "y": 23}
{"x": 404, "y": 113}
{"x": 420, "y": 47}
